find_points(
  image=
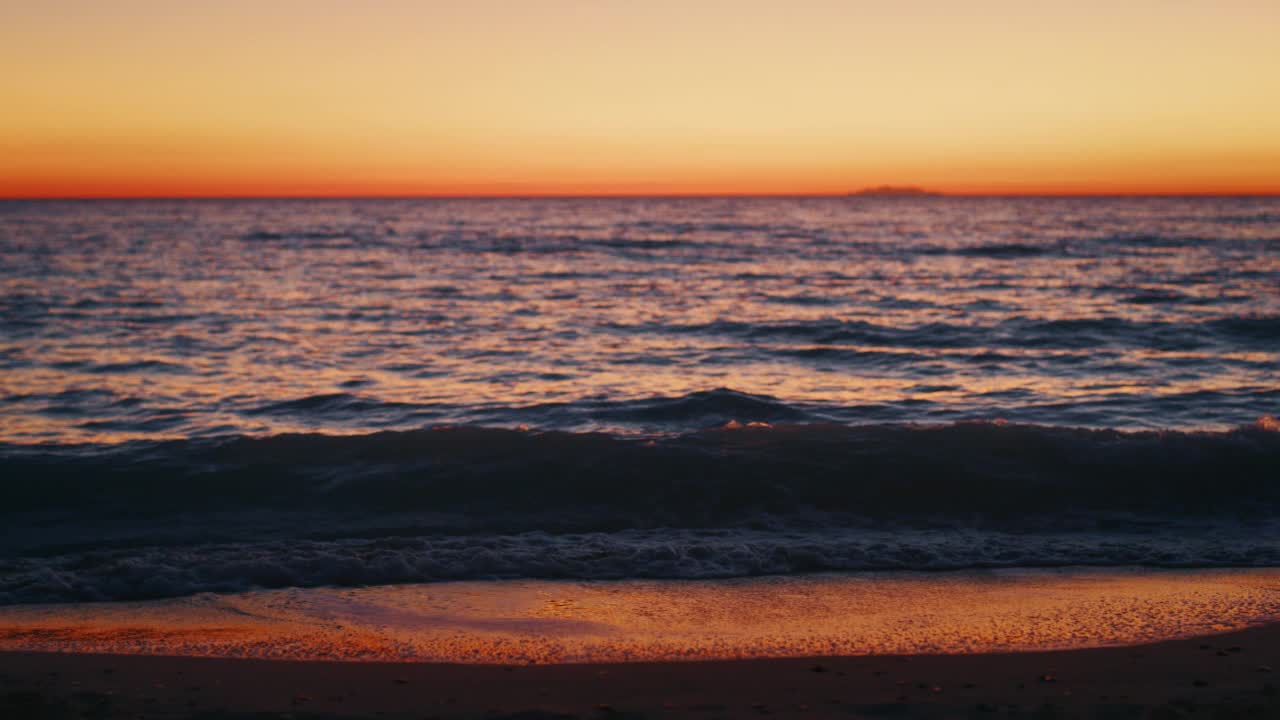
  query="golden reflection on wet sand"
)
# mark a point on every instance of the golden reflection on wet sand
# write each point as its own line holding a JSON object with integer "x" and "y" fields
{"x": 558, "y": 622}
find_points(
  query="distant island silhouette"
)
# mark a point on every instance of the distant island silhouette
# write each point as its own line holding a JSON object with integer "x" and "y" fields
{"x": 896, "y": 191}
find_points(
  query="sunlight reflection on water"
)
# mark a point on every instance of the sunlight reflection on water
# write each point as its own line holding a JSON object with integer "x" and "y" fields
{"x": 173, "y": 319}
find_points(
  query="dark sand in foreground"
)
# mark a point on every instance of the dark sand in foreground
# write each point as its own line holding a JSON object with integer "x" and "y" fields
{"x": 1225, "y": 676}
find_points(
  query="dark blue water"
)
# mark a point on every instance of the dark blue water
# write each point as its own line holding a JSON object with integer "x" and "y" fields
{"x": 212, "y": 395}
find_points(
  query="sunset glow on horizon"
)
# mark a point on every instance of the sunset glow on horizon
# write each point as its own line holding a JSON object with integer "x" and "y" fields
{"x": 146, "y": 98}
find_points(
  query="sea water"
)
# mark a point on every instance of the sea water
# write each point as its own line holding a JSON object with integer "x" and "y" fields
{"x": 235, "y": 395}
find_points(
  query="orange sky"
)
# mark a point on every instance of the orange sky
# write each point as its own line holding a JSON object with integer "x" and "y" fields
{"x": 396, "y": 97}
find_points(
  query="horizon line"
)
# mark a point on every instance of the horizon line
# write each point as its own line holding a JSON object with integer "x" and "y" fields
{"x": 853, "y": 194}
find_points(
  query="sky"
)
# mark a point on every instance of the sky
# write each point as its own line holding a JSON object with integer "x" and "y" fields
{"x": 577, "y": 97}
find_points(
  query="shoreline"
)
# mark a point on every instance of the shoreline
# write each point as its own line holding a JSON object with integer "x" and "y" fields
{"x": 538, "y": 622}
{"x": 1221, "y": 676}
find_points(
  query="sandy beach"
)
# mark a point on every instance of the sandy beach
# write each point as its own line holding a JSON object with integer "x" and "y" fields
{"x": 1043, "y": 644}
{"x": 1223, "y": 676}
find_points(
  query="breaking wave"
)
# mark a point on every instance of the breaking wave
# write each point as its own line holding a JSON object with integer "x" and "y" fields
{"x": 153, "y": 519}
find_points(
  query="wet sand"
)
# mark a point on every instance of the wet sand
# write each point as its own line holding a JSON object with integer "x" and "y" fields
{"x": 519, "y": 622}
{"x": 1223, "y": 676}
{"x": 1038, "y": 644}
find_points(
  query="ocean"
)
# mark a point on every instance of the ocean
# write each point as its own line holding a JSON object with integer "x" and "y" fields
{"x": 228, "y": 395}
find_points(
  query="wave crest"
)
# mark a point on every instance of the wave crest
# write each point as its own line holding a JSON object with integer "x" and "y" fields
{"x": 711, "y": 477}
